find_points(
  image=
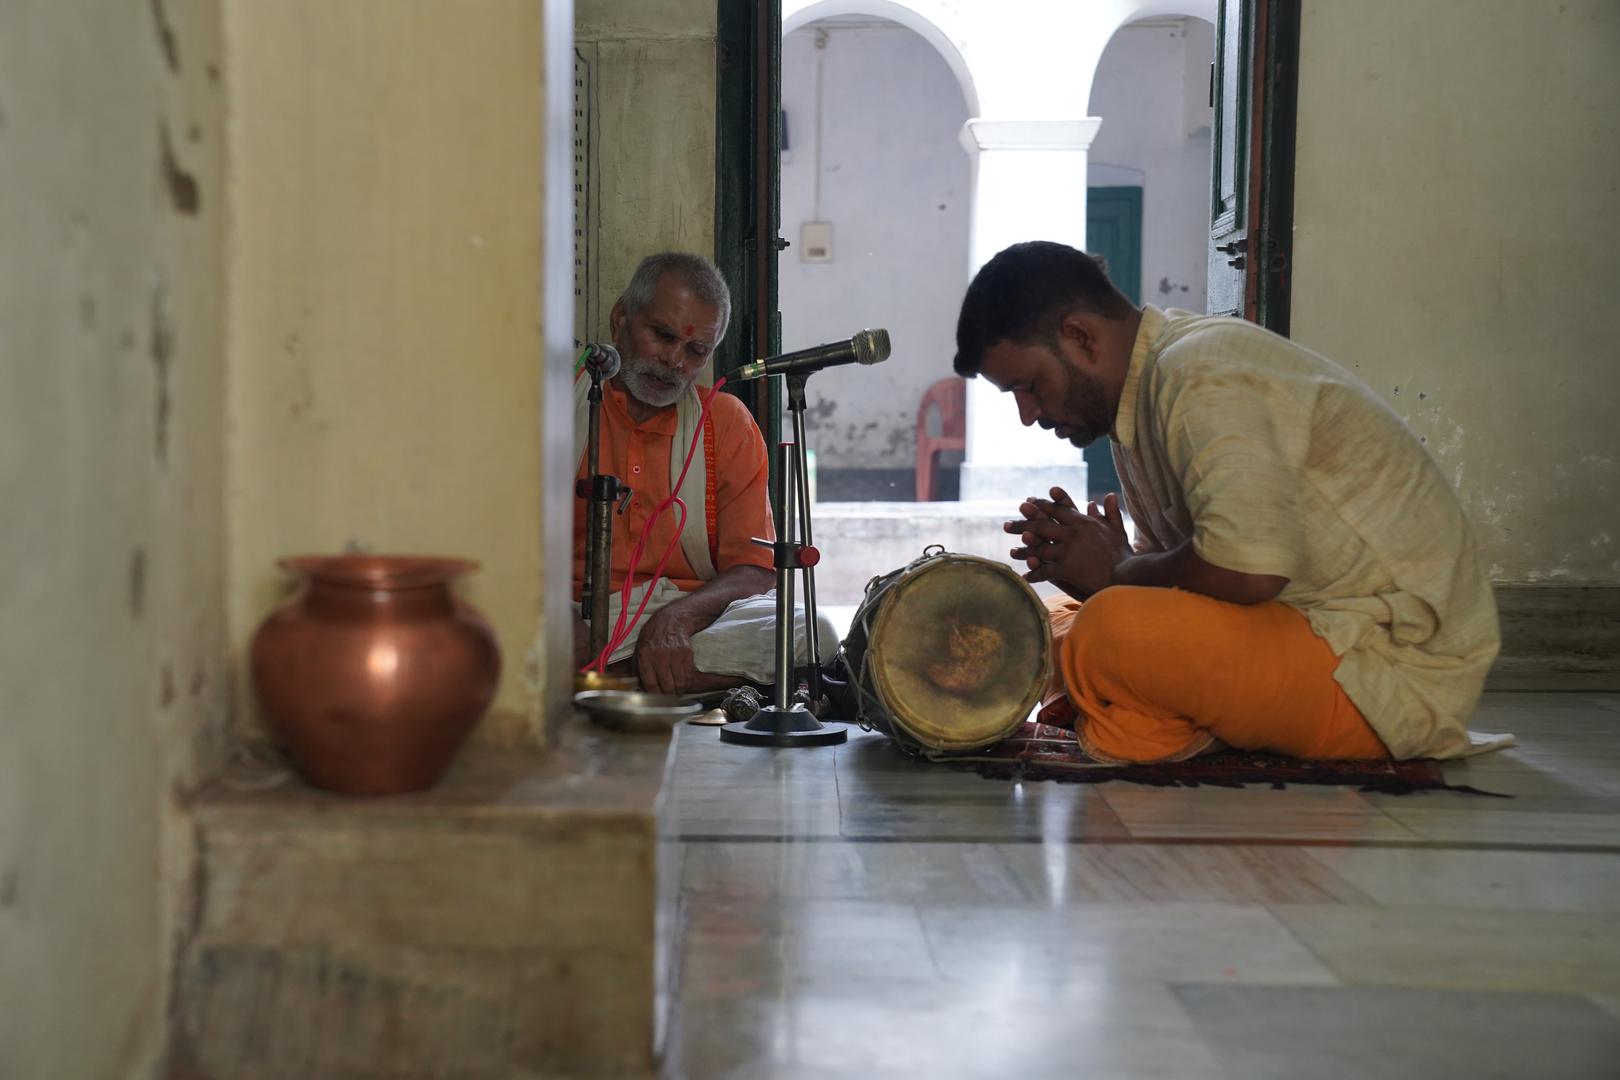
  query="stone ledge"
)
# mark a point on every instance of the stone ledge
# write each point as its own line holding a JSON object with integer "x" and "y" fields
{"x": 504, "y": 924}
{"x": 586, "y": 773}
{"x": 1557, "y": 637}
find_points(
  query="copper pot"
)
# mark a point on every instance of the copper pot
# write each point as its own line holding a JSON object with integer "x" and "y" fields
{"x": 374, "y": 672}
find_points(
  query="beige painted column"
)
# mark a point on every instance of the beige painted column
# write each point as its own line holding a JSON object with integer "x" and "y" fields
{"x": 399, "y": 298}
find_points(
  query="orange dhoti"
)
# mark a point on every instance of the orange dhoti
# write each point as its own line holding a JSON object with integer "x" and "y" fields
{"x": 1161, "y": 674}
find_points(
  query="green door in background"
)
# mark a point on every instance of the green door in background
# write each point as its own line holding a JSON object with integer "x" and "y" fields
{"x": 1114, "y": 231}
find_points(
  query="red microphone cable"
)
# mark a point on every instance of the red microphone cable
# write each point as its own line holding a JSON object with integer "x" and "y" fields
{"x": 621, "y": 631}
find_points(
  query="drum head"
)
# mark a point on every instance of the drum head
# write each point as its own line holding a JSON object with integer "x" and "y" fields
{"x": 960, "y": 652}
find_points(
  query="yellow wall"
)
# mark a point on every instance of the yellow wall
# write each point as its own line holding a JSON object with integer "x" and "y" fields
{"x": 1458, "y": 246}
{"x": 386, "y": 285}
{"x": 113, "y": 683}
{"x": 652, "y": 145}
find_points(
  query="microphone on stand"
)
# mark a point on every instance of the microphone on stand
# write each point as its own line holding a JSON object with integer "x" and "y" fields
{"x": 866, "y": 347}
{"x": 601, "y": 492}
{"x": 603, "y": 360}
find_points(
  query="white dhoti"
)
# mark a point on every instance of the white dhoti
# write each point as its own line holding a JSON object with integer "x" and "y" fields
{"x": 741, "y": 642}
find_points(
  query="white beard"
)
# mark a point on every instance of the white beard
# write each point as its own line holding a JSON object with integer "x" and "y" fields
{"x": 650, "y": 388}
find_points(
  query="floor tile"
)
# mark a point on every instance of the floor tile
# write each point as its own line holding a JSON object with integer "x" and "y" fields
{"x": 1255, "y": 813}
{"x": 1596, "y": 747}
{"x": 1063, "y": 813}
{"x": 895, "y": 1031}
{"x": 739, "y": 818}
{"x": 1482, "y": 823}
{"x": 1462, "y": 949}
{"x": 1495, "y": 880}
{"x": 775, "y": 945}
{"x": 904, "y": 872}
{"x": 1522, "y": 772}
{"x": 1039, "y": 945}
{"x": 1359, "y": 1033}
{"x": 855, "y": 912}
{"x": 1121, "y": 873}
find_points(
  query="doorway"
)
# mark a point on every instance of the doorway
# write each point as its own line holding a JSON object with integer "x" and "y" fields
{"x": 1113, "y": 234}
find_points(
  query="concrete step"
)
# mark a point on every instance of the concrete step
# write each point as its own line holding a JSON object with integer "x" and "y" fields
{"x": 503, "y": 925}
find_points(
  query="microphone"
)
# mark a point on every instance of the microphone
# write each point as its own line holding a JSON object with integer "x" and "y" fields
{"x": 866, "y": 347}
{"x": 602, "y": 360}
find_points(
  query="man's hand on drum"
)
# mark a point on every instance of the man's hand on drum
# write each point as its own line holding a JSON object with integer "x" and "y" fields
{"x": 1076, "y": 551}
{"x": 663, "y": 658}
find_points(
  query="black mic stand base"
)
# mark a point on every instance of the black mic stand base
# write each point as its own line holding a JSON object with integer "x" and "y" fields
{"x": 786, "y": 722}
{"x": 793, "y": 726}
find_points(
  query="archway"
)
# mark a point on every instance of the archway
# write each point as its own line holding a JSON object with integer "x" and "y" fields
{"x": 876, "y": 197}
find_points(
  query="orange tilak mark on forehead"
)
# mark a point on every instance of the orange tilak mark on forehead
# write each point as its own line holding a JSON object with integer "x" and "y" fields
{"x": 687, "y": 331}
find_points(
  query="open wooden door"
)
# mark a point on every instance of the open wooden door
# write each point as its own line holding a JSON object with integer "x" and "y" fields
{"x": 1254, "y": 91}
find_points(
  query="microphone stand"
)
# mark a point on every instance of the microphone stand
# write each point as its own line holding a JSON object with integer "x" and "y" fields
{"x": 785, "y": 722}
{"x": 602, "y": 492}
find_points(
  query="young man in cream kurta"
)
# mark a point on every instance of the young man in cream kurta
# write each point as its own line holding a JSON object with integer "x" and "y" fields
{"x": 1304, "y": 579}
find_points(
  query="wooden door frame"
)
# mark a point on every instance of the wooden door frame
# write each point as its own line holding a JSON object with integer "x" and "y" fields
{"x": 1273, "y": 117}
{"x": 748, "y": 199}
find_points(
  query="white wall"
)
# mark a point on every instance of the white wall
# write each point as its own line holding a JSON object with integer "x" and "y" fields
{"x": 1151, "y": 91}
{"x": 895, "y": 184}
{"x": 1027, "y": 59}
{"x": 1457, "y": 231}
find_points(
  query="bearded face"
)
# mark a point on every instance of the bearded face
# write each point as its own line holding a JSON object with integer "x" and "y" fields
{"x": 665, "y": 344}
{"x": 1051, "y": 389}
{"x": 1085, "y": 411}
{"x": 649, "y": 380}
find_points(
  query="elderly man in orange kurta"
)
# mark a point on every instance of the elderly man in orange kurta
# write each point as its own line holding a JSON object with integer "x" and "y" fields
{"x": 710, "y": 622}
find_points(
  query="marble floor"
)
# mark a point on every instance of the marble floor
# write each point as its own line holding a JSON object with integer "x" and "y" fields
{"x": 851, "y": 912}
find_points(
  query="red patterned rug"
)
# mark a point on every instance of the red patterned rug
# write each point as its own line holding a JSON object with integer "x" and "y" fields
{"x": 1045, "y": 752}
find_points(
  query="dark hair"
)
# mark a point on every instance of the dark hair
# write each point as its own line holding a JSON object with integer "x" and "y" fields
{"x": 1023, "y": 294}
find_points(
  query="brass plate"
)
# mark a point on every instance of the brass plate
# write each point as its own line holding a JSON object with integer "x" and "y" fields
{"x": 632, "y": 710}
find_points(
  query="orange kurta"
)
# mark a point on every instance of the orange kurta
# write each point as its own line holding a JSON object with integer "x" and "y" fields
{"x": 1160, "y": 674}
{"x": 639, "y": 455}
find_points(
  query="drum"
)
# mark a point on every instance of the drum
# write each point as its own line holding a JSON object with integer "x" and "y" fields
{"x": 947, "y": 654}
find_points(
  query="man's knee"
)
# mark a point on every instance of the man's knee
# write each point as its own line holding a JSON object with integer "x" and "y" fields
{"x": 1109, "y": 624}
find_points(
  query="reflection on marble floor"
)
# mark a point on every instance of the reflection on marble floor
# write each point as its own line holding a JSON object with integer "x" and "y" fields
{"x": 851, "y": 912}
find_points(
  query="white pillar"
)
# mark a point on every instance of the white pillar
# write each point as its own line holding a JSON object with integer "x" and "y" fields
{"x": 1030, "y": 184}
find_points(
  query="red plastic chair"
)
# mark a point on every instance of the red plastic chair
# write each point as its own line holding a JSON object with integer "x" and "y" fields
{"x": 949, "y": 396}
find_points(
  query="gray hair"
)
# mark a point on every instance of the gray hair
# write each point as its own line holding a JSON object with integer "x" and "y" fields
{"x": 695, "y": 272}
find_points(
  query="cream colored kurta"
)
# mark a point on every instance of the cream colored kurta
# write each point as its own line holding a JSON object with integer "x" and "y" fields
{"x": 1275, "y": 460}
